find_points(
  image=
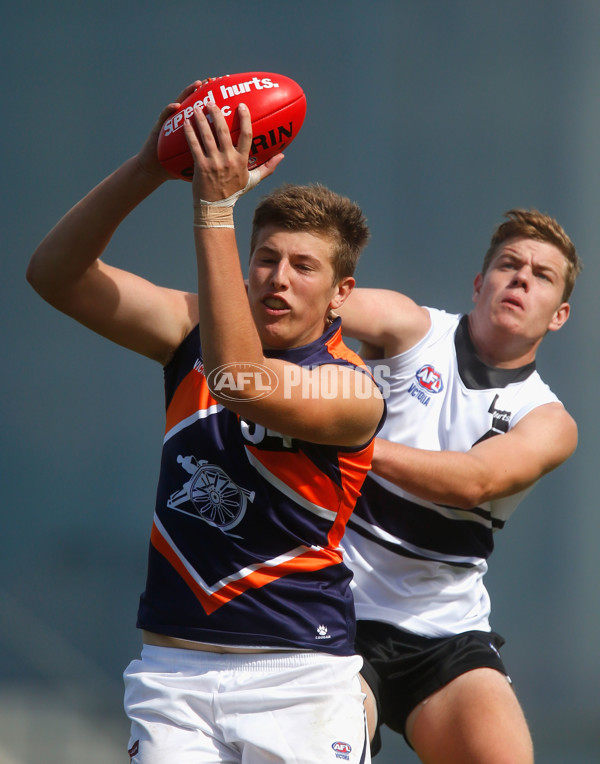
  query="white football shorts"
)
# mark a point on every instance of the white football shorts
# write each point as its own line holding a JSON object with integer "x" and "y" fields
{"x": 197, "y": 707}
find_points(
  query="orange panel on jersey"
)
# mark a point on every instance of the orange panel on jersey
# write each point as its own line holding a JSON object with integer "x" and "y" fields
{"x": 310, "y": 560}
{"x": 192, "y": 395}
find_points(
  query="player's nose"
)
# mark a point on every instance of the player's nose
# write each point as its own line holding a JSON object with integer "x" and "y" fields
{"x": 280, "y": 275}
{"x": 522, "y": 278}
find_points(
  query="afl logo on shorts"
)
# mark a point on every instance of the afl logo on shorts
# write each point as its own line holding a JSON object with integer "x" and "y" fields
{"x": 342, "y": 750}
{"x": 430, "y": 379}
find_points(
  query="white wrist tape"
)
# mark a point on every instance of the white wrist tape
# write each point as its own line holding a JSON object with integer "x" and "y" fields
{"x": 206, "y": 216}
{"x": 253, "y": 180}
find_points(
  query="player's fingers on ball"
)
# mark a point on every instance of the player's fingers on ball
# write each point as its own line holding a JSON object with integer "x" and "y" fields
{"x": 192, "y": 139}
{"x": 220, "y": 127}
{"x": 168, "y": 110}
{"x": 245, "y": 138}
{"x": 269, "y": 166}
{"x": 163, "y": 116}
{"x": 189, "y": 90}
{"x": 204, "y": 130}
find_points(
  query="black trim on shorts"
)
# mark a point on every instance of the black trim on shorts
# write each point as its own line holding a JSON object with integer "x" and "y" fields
{"x": 403, "y": 669}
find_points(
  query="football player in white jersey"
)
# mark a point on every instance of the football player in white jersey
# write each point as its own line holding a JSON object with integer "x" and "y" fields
{"x": 470, "y": 429}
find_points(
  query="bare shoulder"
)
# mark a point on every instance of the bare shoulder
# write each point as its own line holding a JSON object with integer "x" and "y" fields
{"x": 384, "y": 319}
{"x": 551, "y": 430}
{"x": 131, "y": 311}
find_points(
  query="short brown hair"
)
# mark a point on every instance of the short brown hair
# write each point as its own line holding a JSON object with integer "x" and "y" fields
{"x": 316, "y": 209}
{"x": 532, "y": 224}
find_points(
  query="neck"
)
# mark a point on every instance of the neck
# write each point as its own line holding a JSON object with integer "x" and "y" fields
{"x": 501, "y": 349}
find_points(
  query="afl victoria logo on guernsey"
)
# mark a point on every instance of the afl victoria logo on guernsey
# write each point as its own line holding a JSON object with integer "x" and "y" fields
{"x": 231, "y": 378}
{"x": 342, "y": 750}
{"x": 430, "y": 379}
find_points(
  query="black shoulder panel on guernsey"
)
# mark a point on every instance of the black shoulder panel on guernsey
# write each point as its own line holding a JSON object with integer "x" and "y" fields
{"x": 475, "y": 374}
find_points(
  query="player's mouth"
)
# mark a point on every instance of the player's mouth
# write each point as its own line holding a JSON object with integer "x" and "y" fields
{"x": 275, "y": 305}
{"x": 514, "y": 301}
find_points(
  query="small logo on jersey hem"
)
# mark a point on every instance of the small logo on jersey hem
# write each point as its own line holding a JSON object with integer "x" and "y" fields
{"x": 342, "y": 750}
{"x": 322, "y": 632}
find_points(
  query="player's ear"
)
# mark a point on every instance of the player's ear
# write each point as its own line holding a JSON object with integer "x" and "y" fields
{"x": 343, "y": 289}
{"x": 560, "y": 318}
{"x": 477, "y": 282}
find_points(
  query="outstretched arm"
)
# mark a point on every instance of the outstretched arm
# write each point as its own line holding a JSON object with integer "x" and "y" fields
{"x": 67, "y": 272}
{"x": 227, "y": 329}
{"x": 499, "y": 466}
{"x": 387, "y": 323}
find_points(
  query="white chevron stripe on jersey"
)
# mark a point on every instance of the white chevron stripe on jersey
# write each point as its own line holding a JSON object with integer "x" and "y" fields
{"x": 326, "y": 514}
{"x": 200, "y": 414}
{"x": 238, "y": 575}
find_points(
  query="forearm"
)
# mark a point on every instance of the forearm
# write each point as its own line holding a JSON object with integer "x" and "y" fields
{"x": 494, "y": 467}
{"x": 227, "y": 330}
{"x": 76, "y": 242}
{"x": 444, "y": 477}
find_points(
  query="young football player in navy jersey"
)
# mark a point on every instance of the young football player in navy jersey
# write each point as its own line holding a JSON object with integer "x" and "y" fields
{"x": 247, "y": 616}
{"x": 470, "y": 428}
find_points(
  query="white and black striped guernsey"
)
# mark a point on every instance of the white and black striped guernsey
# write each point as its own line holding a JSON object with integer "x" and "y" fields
{"x": 416, "y": 564}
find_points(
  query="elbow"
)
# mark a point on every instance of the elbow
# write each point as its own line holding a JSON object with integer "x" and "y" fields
{"x": 49, "y": 279}
{"x": 470, "y": 496}
{"x": 35, "y": 275}
{"x": 474, "y": 483}
{"x": 34, "y": 279}
{"x": 468, "y": 501}
{"x": 31, "y": 274}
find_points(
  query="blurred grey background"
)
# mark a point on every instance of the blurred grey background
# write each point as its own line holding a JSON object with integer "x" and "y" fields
{"x": 437, "y": 117}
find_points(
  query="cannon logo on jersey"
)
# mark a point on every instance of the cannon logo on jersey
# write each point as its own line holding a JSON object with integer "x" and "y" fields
{"x": 210, "y": 494}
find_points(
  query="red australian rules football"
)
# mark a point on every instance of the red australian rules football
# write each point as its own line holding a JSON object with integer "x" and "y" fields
{"x": 277, "y": 106}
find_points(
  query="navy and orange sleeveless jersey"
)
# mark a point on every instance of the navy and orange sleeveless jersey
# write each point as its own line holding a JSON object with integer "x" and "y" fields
{"x": 244, "y": 547}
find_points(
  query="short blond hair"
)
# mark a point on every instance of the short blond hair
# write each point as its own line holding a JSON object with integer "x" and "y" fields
{"x": 316, "y": 209}
{"x": 532, "y": 224}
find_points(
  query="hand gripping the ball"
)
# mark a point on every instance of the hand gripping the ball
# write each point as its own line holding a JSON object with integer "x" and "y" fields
{"x": 148, "y": 155}
{"x": 221, "y": 173}
{"x": 276, "y": 102}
